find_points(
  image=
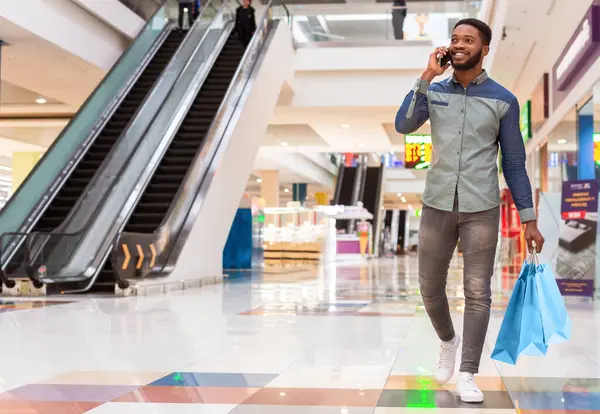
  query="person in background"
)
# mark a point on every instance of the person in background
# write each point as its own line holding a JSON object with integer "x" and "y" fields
{"x": 186, "y": 6}
{"x": 398, "y": 16}
{"x": 471, "y": 116}
{"x": 197, "y": 6}
{"x": 245, "y": 22}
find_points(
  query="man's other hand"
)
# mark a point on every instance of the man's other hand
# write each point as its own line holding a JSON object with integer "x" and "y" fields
{"x": 532, "y": 234}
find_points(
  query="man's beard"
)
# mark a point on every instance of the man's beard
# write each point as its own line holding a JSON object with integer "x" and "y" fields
{"x": 470, "y": 63}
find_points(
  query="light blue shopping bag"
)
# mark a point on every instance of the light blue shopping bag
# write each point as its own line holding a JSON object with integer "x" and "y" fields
{"x": 555, "y": 320}
{"x": 522, "y": 330}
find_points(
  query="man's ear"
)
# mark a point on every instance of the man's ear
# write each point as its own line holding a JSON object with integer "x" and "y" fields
{"x": 486, "y": 50}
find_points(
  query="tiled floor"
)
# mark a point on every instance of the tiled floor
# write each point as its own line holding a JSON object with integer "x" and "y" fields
{"x": 346, "y": 339}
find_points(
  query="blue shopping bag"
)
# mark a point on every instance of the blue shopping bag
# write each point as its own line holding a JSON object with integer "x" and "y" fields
{"x": 522, "y": 330}
{"x": 555, "y": 320}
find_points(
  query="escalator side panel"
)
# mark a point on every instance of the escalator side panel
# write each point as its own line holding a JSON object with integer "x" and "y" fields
{"x": 199, "y": 249}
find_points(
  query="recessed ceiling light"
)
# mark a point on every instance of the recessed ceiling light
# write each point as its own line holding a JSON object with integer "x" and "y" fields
{"x": 361, "y": 145}
{"x": 403, "y": 199}
{"x": 41, "y": 100}
{"x": 284, "y": 144}
{"x": 399, "y": 194}
{"x": 286, "y": 190}
{"x": 259, "y": 180}
{"x": 345, "y": 126}
{"x": 562, "y": 141}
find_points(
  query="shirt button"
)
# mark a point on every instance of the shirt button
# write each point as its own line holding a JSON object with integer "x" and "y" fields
{"x": 462, "y": 111}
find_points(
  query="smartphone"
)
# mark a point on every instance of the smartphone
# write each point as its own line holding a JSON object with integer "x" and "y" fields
{"x": 443, "y": 60}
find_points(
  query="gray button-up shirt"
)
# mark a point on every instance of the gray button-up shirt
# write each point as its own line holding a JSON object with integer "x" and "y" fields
{"x": 467, "y": 126}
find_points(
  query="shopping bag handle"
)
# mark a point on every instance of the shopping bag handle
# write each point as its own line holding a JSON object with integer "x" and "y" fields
{"x": 533, "y": 256}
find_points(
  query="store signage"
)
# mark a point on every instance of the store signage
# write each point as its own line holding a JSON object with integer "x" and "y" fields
{"x": 576, "y": 251}
{"x": 578, "y": 199}
{"x": 525, "y": 121}
{"x": 578, "y": 55}
{"x": 417, "y": 151}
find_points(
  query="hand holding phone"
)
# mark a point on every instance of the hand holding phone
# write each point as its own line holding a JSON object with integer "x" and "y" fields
{"x": 444, "y": 59}
{"x": 439, "y": 62}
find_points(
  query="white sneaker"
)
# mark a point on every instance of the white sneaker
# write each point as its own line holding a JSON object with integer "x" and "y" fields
{"x": 447, "y": 363}
{"x": 467, "y": 389}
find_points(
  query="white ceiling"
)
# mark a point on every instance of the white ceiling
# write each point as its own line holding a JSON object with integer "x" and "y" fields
{"x": 38, "y": 66}
{"x": 536, "y": 33}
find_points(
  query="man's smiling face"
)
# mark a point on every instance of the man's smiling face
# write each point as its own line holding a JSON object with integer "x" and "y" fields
{"x": 466, "y": 47}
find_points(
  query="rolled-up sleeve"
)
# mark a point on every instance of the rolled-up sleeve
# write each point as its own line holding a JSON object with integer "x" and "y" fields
{"x": 414, "y": 111}
{"x": 513, "y": 162}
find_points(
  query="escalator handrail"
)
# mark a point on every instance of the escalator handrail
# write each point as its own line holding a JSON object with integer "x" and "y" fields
{"x": 168, "y": 232}
{"x": 50, "y": 192}
{"x": 32, "y": 236}
{"x": 85, "y": 274}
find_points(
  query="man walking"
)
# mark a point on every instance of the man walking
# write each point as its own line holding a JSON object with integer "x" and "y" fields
{"x": 471, "y": 115}
{"x": 398, "y": 16}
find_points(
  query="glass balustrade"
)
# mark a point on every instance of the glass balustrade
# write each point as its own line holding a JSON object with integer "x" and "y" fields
{"x": 368, "y": 23}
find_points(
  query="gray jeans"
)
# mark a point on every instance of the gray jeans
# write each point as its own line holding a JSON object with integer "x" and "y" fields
{"x": 439, "y": 233}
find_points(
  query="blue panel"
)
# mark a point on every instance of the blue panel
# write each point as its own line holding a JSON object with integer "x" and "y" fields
{"x": 585, "y": 154}
{"x": 237, "y": 253}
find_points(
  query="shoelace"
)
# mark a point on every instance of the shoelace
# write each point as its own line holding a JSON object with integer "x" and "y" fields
{"x": 445, "y": 355}
{"x": 469, "y": 383}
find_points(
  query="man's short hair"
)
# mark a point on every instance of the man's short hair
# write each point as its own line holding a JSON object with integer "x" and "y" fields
{"x": 484, "y": 30}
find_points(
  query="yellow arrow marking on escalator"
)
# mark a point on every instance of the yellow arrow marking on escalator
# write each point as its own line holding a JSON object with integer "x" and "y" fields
{"x": 141, "y": 259}
{"x": 127, "y": 257}
{"x": 153, "y": 250}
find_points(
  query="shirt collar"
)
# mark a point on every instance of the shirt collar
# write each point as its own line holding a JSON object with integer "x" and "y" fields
{"x": 483, "y": 76}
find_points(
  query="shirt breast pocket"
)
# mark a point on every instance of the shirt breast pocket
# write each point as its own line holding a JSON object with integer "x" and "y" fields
{"x": 438, "y": 111}
{"x": 436, "y": 103}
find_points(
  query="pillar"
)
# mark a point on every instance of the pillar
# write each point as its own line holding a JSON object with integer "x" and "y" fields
{"x": 585, "y": 152}
{"x": 22, "y": 164}
{"x": 299, "y": 192}
{"x": 269, "y": 188}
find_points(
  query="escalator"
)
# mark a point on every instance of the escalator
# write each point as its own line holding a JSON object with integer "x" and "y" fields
{"x": 216, "y": 111}
{"x": 74, "y": 187}
{"x": 372, "y": 195}
{"x": 158, "y": 196}
{"x": 344, "y": 191}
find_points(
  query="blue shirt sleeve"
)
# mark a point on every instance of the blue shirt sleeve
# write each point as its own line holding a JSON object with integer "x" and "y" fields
{"x": 414, "y": 111}
{"x": 513, "y": 162}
